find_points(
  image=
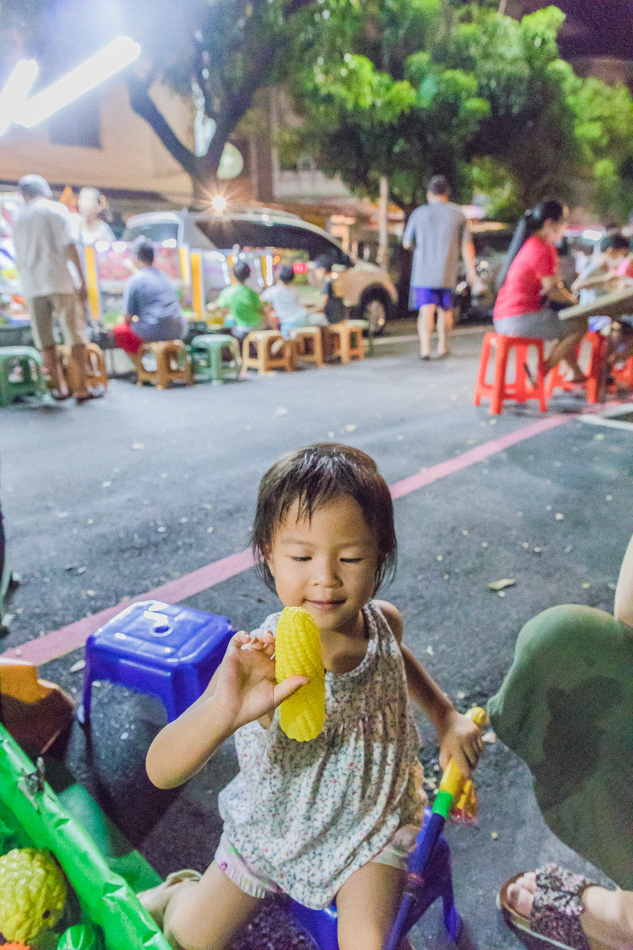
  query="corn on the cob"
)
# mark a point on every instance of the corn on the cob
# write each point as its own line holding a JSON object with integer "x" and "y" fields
{"x": 298, "y": 652}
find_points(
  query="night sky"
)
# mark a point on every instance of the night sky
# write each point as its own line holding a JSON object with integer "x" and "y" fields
{"x": 593, "y": 27}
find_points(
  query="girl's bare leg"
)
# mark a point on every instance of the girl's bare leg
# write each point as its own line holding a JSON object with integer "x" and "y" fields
{"x": 564, "y": 349}
{"x": 426, "y": 319}
{"x": 205, "y": 914}
{"x": 367, "y": 905}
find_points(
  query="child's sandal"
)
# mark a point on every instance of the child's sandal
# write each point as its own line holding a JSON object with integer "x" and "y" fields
{"x": 554, "y": 919}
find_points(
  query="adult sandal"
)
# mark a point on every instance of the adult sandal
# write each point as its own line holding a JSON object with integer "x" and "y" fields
{"x": 554, "y": 919}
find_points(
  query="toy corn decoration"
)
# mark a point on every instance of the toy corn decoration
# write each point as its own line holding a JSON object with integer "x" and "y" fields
{"x": 298, "y": 653}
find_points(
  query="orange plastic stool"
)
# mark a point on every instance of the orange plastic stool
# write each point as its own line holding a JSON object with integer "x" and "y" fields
{"x": 522, "y": 388}
{"x": 598, "y": 344}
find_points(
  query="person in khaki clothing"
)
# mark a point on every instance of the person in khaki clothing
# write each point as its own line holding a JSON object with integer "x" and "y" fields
{"x": 43, "y": 248}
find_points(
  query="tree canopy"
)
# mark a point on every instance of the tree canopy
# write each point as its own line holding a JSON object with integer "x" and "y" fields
{"x": 482, "y": 98}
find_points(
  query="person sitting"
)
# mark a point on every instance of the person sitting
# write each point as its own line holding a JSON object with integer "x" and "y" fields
{"x": 607, "y": 273}
{"x": 150, "y": 305}
{"x": 331, "y": 304}
{"x": 243, "y": 310}
{"x": 290, "y": 312}
{"x": 600, "y": 274}
{"x": 529, "y": 281}
{"x": 565, "y": 708}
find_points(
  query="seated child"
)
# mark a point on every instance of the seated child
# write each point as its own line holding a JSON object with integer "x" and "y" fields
{"x": 334, "y": 817}
{"x": 244, "y": 309}
{"x": 600, "y": 274}
{"x": 291, "y": 313}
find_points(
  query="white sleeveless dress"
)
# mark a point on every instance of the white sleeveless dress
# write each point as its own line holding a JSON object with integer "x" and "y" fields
{"x": 309, "y": 814}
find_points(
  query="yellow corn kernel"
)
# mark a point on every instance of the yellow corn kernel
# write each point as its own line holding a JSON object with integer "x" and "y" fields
{"x": 298, "y": 653}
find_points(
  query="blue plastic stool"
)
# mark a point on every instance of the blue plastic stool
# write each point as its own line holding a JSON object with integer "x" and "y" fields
{"x": 170, "y": 652}
{"x": 322, "y": 924}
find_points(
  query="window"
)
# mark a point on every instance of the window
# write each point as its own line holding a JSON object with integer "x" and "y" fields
{"x": 77, "y": 124}
{"x": 226, "y": 233}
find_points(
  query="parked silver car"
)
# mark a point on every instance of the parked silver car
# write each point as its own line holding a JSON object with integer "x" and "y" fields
{"x": 365, "y": 288}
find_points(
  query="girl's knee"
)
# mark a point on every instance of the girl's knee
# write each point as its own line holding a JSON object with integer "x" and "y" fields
{"x": 183, "y": 934}
{"x": 361, "y": 938}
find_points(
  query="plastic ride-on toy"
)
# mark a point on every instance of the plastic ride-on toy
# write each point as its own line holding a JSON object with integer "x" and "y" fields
{"x": 429, "y": 870}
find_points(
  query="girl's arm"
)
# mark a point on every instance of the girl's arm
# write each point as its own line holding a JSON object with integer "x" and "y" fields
{"x": 242, "y": 689}
{"x": 457, "y": 735}
{"x": 608, "y": 917}
{"x": 623, "y": 609}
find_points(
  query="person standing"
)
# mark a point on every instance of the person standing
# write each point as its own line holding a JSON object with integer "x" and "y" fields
{"x": 43, "y": 249}
{"x": 91, "y": 227}
{"x": 440, "y": 231}
{"x": 151, "y": 306}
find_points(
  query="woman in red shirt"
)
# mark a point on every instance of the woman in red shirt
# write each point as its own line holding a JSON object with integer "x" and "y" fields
{"x": 529, "y": 279}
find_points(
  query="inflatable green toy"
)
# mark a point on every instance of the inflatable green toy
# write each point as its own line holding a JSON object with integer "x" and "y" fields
{"x": 32, "y": 893}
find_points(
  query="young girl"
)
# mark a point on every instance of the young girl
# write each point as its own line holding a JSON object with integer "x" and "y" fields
{"x": 335, "y": 817}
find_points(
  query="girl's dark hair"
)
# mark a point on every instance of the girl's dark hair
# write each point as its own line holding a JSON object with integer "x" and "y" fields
{"x": 531, "y": 222}
{"x": 313, "y": 476}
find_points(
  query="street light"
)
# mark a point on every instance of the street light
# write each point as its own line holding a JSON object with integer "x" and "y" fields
{"x": 17, "y": 88}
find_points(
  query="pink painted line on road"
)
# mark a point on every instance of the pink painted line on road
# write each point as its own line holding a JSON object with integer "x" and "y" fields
{"x": 478, "y": 454}
{"x": 74, "y": 635}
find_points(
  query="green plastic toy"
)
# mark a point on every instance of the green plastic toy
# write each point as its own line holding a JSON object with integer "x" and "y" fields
{"x": 31, "y": 815}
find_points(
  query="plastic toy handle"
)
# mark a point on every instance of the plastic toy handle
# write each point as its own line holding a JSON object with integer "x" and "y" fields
{"x": 452, "y": 784}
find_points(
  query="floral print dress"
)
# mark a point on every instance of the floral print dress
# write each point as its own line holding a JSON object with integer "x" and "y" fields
{"x": 310, "y": 814}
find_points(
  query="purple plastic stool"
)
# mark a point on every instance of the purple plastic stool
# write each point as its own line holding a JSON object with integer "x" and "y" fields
{"x": 152, "y": 647}
{"x": 322, "y": 924}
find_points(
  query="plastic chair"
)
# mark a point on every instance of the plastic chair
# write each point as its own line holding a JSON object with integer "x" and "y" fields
{"x": 167, "y": 651}
{"x": 322, "y": 924}
{"x": 348, "y": 342}
{"x": 172, "y": 364}
{"x": 263, "y": 359}
{"x": 96, "y": 373}
{"x": 522, "y": 388}
{"x": 593, "y": 385}
{"x": 308, "y": 345}
{"x": 208, "y": 362}
{"x": 21, "y": 373}
{"x": 623, "y": 373}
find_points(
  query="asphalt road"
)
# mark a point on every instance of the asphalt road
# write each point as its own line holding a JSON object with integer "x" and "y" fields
{"x": 108, "y": 500}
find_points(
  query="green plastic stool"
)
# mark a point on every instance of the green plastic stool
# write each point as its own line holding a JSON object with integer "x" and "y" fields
{"x": 206, "y": 353}
{"x": 20, "y": 373}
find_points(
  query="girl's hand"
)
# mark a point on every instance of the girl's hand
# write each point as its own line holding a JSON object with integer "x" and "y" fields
{"x": 461, "y": 740}
{"x": 246, "y": 688}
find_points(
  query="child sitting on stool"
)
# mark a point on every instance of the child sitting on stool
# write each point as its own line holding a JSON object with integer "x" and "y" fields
{"x": 334, "y": 817}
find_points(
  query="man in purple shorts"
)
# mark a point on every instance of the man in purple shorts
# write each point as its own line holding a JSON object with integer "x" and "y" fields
{"x": 441, "y": 235}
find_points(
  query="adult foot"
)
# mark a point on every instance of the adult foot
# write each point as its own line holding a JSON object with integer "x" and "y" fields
{"x": 442, "y": 354}
{"x": 425, "y": 356}
{"x": 155, "y": 900}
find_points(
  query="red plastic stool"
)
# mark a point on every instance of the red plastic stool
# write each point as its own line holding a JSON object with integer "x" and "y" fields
{"x": 623, "y": 375}
{"x": 522, "y": 388}
{"x": 598, "y": 345}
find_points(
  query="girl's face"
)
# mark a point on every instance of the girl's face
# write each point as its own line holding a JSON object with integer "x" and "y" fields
{"x": 327, "y": 565}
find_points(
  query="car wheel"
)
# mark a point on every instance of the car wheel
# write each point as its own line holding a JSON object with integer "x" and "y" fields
{"x": 375, "y": 310}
